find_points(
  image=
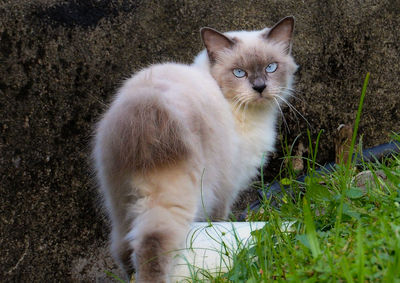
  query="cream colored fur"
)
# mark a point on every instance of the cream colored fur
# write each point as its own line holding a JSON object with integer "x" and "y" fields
{"x": 175, "y": 146}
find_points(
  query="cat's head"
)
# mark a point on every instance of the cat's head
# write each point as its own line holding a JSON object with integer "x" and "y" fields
{"x": 252, "y": 67}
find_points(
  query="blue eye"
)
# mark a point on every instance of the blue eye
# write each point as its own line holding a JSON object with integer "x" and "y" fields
{"x": 271, "y": 67}
{"x": 239, "y": 73}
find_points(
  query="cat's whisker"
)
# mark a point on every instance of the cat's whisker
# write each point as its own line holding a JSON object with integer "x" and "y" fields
{"x": 293, "y": 90}
{"x": 290, "y": 92}
{"x": 291, "y": 107}
{"x": 245, "y": 103}
{"x": 239, "y": 107}
{"x": 283, "y": 116}
{"x": 240, "y": 104}
{"x": 245, "y": 108}
{"x": 294, "y": 109}
{"x": 285, "y": 89}
{"x": 235, "y": 102}
{"x": 292, "y": 95}
{"x": 286, "y": 102}
{"x": 101, "y": 102}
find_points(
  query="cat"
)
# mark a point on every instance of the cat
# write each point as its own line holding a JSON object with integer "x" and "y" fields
{"x": 179, "y": 142}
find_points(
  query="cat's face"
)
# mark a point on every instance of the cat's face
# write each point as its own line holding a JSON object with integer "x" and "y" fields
{"x": 252, "y": 68}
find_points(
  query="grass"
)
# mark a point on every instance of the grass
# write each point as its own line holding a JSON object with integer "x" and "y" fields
{"x": 341, "y": 232}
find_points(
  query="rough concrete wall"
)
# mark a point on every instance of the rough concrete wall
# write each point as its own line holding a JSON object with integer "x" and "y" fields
{"x": 62, "y": 60}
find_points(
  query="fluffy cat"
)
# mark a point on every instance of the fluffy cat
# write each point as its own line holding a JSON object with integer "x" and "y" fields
{"x": 179, "y": 142}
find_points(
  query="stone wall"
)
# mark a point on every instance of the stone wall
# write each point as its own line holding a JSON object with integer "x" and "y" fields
{"x": 60, "y": 62}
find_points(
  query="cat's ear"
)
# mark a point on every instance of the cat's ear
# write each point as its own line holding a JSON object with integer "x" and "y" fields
{"x": 214, "y": 41}
{"x": 282, "y": 32}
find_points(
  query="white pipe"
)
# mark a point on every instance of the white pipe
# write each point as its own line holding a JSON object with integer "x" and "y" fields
{"x": 209, "y": 247}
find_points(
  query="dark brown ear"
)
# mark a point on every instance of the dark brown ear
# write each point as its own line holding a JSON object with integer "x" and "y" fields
{"x": 282, "y": 32}
{"x": 214, "y": 41}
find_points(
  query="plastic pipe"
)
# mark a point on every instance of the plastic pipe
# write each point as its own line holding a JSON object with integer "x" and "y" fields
{"x": 209, "y": 248}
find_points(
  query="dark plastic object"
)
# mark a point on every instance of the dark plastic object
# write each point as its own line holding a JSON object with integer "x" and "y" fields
{"x": 276, "y": 190}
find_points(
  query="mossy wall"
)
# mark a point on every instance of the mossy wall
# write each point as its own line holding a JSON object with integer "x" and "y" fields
{"x": 61, "y": 61}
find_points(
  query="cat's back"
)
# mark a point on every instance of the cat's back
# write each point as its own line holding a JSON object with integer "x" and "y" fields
{"x": 189, "y": 94}
{"x": 173, "y": 81}
{"x": 162, "y": 114}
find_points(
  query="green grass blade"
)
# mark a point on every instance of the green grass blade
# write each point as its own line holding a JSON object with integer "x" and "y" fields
{"x": 357, "y": 122}
{"x": 346, "y": 271}
{"x": 310, "y": 230}
{"x": 360, "y": 255}
{"x": 112, "y": 275}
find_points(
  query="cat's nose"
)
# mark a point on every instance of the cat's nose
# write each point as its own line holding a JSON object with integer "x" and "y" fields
{"x": 259, "y": 87}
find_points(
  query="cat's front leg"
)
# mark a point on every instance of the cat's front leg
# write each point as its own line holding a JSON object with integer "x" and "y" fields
{"x": 220, "y": 211}
{"x": 122, "y": 252}
{"x": 225, "y": 197}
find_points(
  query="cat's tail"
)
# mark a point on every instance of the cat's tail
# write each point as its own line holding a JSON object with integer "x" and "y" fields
{"x": 161, "y": 222}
